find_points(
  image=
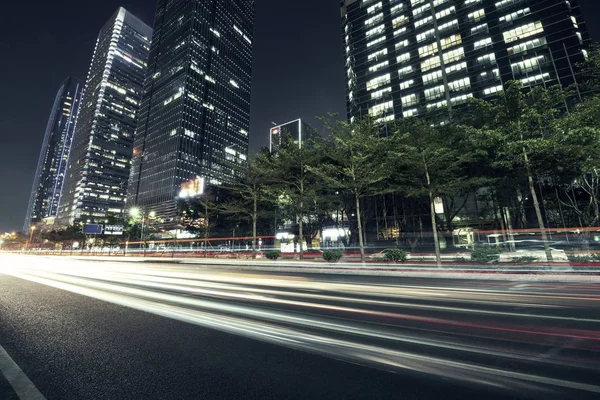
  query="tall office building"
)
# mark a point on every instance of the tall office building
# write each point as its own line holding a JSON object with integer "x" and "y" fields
{"x": 406, "y": 57}
{"x": 96, "y": 182}
{"x": 195, "y": 113}
{"x": 297, "y": 130}
{"x": 54, "y": 156}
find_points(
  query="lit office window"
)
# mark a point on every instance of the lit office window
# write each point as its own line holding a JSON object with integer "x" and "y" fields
{"x": 487, "y": 59}
{"x": 451, "y": 41}
{"x": 531, "y": 80}
{"x": 459, "y": 84}
{"x": 402, "y": 58}
{"x": 423, "y": 21}
{"x": 380, "y": 39}
{"x": 380, "y": 93}
{"x": 439, "y": 104}
{"x": 396, "y": 9}
{"x": 381, "y": 108}
{"x": 420, "y": 10}
{"x": 482, "y": 43}
{"x": 523, "y": 31}
{"x": 506, "y": 3}
{"x": 409, "y": 100}
{"x": 378, "y": 82}
{"x": 404, "y": 71}
{"x": 433, "y": 62}
{"x": 454, "y": 55}
{"x": 461, "y": 99}
{"x": 374, "y": 20}
{"x": 410, "y": 113}
{"x": 428, "y": 50}
{"x": 531, "y": 44}
{"x": 528, "y": 65}
{"x": 432, "y": 77}
{"x": 445, "y": 12}
{"x": 448, "y": 25}
{"x": 476, "y": 15}
{"x": 399, "y": 21}
{"x": 492, "y": 90}
{"x": 377, "y": 54}
{"x": 400, "y": 31}
{"x": 374, "y": 8}
{"x": 515, "y": 15}
{"x": 480, "y": 29}
{"x": 406, "y": 84}
{"x": 379, "y": 66}
{"x": 402, "y": 44}
{"x": 375, "y": 31}
{"x": 435, "y": 92}
{"x": 425, "y": 35}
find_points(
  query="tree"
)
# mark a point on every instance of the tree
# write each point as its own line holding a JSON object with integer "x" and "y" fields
{"x": 251, "y": 194}
{"x": 357, "y": 162}
{"x": 435, "y": 159}
{"x": 290, "y": 171}
{"x": 522, "y": 126}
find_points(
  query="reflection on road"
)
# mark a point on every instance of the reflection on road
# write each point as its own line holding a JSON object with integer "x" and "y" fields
{"x": 532, "y": 337}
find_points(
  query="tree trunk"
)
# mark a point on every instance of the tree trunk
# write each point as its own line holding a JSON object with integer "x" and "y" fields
{"x": 254, "y": 218}
{"x": 536, "y": 205}
{"x": 436, "y": 241}
{"x": 360, "y": 231}
{"x": 301, "y": 234}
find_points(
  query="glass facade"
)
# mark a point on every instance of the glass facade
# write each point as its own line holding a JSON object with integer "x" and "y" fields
{"x": 99, "y": 166}
{"x": 298, "y": 130}
{"x": 54, "y": 156}
{"x": 195, "y": 113}
{"x": 407, "y": 57}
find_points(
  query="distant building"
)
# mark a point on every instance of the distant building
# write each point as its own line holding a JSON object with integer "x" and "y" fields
{"x": 195, "y": 113}
{"x": 406, "y": 57}
{"x": 54, "y": 156}
{"x": 96, "y": 181}
{"x": 298, "y": 130}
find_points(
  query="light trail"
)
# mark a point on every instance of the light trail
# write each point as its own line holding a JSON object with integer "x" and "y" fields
{"x": 360, "y": 323}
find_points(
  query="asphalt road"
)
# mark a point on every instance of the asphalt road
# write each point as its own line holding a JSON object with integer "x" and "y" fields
{"x": 111, "y": 330}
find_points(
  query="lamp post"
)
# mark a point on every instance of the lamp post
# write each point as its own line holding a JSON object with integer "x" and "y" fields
{"x": 32, "y": 229}
{"x": 137, "y": 212}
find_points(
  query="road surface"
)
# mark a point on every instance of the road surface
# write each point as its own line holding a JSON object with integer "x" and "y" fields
{"x": 116, "y": 330}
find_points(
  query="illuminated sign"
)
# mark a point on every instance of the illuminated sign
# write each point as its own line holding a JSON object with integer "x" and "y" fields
{"x": 113, "y": 229}
{"x": 192, "y": 188}
{"x": 92, "y": 229}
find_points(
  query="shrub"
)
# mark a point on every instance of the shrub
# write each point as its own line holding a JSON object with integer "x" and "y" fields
{"x": 524, "y": 259}
{"x": 486, "y": 254}
{"x": 273, "y": 254}
{"x": 332, "y": 255}
{"x": 395, "y": 255}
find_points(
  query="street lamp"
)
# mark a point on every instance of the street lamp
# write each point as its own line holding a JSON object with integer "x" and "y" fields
{"x": 32, "y": 229}
{"x": 137, "y": 212}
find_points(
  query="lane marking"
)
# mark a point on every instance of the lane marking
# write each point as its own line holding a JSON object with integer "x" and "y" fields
{"x": 20, "y": 383}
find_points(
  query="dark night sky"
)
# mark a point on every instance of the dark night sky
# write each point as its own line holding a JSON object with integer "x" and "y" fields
{"x": 298, "y": 72}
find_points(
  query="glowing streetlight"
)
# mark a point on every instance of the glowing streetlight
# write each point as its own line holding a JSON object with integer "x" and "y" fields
{"x": 32, "y": 229}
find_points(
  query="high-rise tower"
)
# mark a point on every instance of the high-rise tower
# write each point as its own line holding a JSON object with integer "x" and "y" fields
{"x": 52, "y": 164}
{"x": 406, "y": 57}
{"x": 195, "y": 113}
{"x": 99, "y": 165}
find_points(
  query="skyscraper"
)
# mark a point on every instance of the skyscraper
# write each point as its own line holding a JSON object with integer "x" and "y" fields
{"x": 406, "y": 57}
{"x": 96, "y": 182}
{"x": 195, "y": 113}
{"x": 54, "y": 156}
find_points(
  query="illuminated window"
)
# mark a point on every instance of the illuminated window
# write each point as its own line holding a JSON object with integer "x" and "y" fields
{"x": 451, "y": 41}
{"x": 432, "y": 77}
{"x": 377, "y": 54}
{"x": 492, "y": 90}
{"x": 374, "y": 8}
{"x": 403, "y": 58}
{"x": 378, "y": 82}
{"x": 379, "y": 66}
{"x": 431, "y": 63}
{"x": 381, "y": 108}
{"x": 482, "y": 43}
{"x": 375, "y": 31}
{"x": 476, "y": 15}
{"x": 531, "y": 44}
{"x": 454, "y": 55}
{"x": 409, "y": 100}
{"x": 406, "y": 84}
{"x": 460, "y": 84}
{"x": 404, "y": 71}
{"x": 428, "y": 50}
{"x": 381, "y": 39}
{"x": 380, "y": 93}
{"x": 374, "y": 20}
{"x": 515, "y": 15}
{"x": 435, "y": 92}
{"x": 399, "y": 21}
{"x": 410, "y": 113}
{"x": 523, "y": 32}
